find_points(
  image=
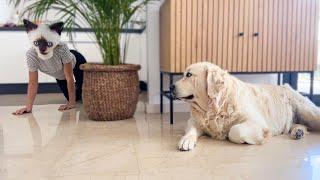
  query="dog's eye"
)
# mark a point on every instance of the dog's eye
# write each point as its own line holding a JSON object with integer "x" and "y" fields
{"x": 188, "y": 74}
{"x": 49, "y": 44}
{"x": 36, "y": 43}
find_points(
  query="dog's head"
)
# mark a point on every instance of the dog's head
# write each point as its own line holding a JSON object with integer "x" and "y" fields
{"x": 200, "y": 83}
{"x": 44, "y": 38}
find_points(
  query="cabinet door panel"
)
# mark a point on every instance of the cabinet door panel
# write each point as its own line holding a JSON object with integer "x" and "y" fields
{"x": 210, "y": 30}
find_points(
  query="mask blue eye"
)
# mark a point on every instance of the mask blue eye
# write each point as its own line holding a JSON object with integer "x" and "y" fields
{"x": 188, "y": 74}
{"x": 49, "y": 44}
{"x": 36, "y": 43}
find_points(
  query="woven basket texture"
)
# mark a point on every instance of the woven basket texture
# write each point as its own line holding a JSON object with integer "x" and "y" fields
{"x": 110, "y": 92}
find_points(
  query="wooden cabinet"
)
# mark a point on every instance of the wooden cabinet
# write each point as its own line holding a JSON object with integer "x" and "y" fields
{"x": 239, "y": 35}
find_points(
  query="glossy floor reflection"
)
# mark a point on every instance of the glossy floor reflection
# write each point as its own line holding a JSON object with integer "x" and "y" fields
{"x": 49, "y": 144}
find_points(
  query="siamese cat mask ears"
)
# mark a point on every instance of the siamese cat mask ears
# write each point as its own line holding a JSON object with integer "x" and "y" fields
{"x": 57, "y": 27}
{"x": 29, "y": 25}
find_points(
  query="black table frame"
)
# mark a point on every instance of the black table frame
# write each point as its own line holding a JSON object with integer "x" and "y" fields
{"x": 168, "y": 93}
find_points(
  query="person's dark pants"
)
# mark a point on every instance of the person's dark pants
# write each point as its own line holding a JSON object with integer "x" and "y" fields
{"x": 78, "y": 75}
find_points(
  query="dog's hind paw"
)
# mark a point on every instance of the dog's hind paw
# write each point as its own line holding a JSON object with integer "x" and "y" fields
{"x": 298, "y": 132}
{"x": 187, "y": 143}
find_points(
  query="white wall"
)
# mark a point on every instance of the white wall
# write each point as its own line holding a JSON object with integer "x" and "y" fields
{"x": 153, "y": 58}
{"x": 13, "y": 47}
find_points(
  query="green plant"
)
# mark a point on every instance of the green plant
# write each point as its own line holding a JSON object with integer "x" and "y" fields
{"x": 105, "y": 17}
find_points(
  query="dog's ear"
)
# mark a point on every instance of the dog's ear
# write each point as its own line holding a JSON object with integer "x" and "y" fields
{"x": 29, "y": 25}
{"x": 216, "y": 87}
{"x": 57, "y": 27}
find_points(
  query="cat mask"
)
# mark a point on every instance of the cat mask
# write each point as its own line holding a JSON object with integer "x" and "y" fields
{"x": 43, "y": 37}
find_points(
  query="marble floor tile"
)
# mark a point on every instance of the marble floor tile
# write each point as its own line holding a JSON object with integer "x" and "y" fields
{"x": 53, "y": 145}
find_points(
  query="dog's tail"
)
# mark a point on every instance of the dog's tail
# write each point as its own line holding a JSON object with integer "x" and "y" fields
{"x": 306, "y": 112}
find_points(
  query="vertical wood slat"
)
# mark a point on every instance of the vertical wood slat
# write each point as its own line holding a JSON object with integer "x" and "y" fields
{"x": 194, "y": 30}
{"x": 288, "y": 36}
{"x": 204, "y": 30}
{"x": 306, "y": 47}
{"x": 199, "y": 30}
{"x": 297, "y": 49}
{"x": 178, "y": 35}
{"x": 225, "y": 34}
{"x": 269, "y": 35}
{"x": 312, "y": 34}
{"x": 215, "y": 32}
{"x": 255, "y": 39}
{"x": 235, "y": 37}
{"x": 274, "y": 44}
{"x": 315, "y": 44}
{"x": 265, "y": 35}
{"x": 246, "y": 36}
{"x": 294, "y": 34}
{"x": 303, "y": 34}
{"x": 231, "y": 11}
{"x": 173, "y": 35}
{"x": 165, "y": 26}
{"x": 240, "y": 38}
{"x": 279, "y": 35}
{"x": 183, "y": 22}
{"x": 284, "y": 34}
{"x": 210, "y": 31}
{"x": 220, "y": 32}
{"x": 260, "y": 39}
{"x": 251, "y": 38}
{"x": 189, "y": 33}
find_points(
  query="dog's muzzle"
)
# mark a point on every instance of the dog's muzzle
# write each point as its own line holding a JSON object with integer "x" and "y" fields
{"x": 174, "y": 94}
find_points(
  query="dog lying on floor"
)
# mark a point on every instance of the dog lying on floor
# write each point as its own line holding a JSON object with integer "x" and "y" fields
{"x": 224, "y": 107}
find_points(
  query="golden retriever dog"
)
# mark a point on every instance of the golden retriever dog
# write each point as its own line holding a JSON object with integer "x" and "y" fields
{"x": 224, "y": 107}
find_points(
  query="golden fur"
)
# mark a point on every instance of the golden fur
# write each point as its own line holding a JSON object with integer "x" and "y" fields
{"x": 225, "y": 107}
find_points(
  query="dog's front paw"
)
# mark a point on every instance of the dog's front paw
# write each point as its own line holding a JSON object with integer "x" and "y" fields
{"x": 187, "y": 143}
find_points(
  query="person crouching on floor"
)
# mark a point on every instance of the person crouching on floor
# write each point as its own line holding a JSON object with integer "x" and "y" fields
{"x": 50, "y": 56}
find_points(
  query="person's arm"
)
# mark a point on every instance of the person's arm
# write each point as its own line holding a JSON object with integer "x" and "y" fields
{"x": 32, "y": 92}
{"x": 68, "y": 72}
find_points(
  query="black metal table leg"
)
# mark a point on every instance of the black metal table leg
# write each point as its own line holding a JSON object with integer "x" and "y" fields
{"x": 279, "y": 79}
{"x": 161, "y": 92}
{"x": 171, "y": 100}
{"x": 311, "y": 85}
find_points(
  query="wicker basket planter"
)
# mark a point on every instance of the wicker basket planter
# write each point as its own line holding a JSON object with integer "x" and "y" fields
{"x": 110, "y": 92}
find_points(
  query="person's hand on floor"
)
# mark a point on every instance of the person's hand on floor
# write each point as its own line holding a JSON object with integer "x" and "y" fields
{"x": 23, "y": 111}
{"x": 67, "y": 106}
